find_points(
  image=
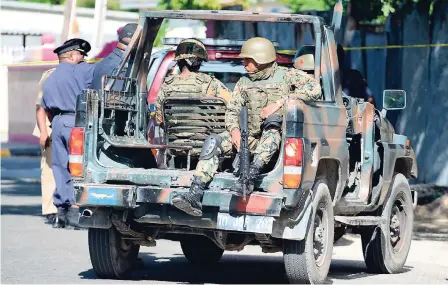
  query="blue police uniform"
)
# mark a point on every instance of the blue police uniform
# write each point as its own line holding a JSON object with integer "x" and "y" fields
{"x": 110, "y": 63}
{"x": 59, "y": 97}
{"x": 107, "y": 67}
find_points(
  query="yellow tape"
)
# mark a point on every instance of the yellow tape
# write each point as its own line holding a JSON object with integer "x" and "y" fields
{"x": 50, "y": 62}
{"x": 4, "y": 152}
{"x": 395, "y": 46}
{"x": 53, "y": 62}
{"x": 378, "y": 47}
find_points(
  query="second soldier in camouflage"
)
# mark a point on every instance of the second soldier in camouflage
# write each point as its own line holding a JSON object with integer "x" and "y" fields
{"x": 264, "y": 90}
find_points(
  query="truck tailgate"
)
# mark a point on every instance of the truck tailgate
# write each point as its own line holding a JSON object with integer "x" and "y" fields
{"x": 130, "y": 196}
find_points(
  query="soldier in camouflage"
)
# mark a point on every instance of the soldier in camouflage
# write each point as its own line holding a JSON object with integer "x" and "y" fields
{"x": 190, "y": 53}
{"x": 264, "y": 90}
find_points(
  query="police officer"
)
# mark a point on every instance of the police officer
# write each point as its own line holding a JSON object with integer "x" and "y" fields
{"x": 109, "y": 64}
{"x": 190, "y": 54}
{"x": 263, "y": 89}
{"x": 59, "y": 96}
{"x": 42, "y": 130}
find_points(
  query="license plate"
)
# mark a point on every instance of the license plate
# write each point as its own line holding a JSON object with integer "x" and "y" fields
{"x": 245, "y": 223}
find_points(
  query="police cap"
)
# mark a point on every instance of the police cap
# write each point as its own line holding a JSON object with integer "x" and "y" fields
{"x": 126, "y": 32}
{"x": 74, "y": 44}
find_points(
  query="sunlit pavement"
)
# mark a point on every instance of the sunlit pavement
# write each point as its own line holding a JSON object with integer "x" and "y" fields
{"x": 33, "y": 252}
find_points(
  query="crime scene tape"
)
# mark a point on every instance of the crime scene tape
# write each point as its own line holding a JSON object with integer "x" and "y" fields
{"x": 382, "y": 47}
{"x": 49, "y": 62}
{"x": 285, "y": 51}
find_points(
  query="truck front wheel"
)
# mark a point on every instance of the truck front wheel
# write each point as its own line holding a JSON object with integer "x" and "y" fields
{"x": 308, "y": 260}
{"x": 386, "y": 247}
{"x": 112, "y": 257}
{"x": 200, "y": 250}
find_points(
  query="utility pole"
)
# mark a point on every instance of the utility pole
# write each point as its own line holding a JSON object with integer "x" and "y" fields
{"x": 99, "y": 18}
{"x": 69, "y": 16}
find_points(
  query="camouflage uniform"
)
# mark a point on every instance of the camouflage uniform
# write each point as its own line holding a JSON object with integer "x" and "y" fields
{"x": 257, "y": 90}
{"x": 260, "y": 93}
{"x": 195, "y": 84}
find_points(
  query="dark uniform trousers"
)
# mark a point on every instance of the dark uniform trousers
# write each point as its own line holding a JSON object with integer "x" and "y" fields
{"x": 62, "y": 125}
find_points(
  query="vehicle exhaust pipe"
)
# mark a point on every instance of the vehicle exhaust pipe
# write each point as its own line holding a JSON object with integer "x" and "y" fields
{"x": 87, "y": 213}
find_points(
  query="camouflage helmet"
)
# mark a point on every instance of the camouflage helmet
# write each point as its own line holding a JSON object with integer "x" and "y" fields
{"x": 191, "y": 48}
{"x": 305, "y": 62}
{"x": 259, "y": 49}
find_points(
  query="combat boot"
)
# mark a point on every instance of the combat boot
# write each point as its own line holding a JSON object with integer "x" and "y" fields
{"x": 50, "y": 219}
{"x": 190, "y": 202}
{"x": 73, "y": 218}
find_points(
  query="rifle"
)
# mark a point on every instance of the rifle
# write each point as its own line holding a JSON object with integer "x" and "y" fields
{"x": 244, "y": 152}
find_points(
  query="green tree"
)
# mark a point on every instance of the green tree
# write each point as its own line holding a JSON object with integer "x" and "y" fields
{"x": 189, "y": 4}
{"x": 363, "y": 11}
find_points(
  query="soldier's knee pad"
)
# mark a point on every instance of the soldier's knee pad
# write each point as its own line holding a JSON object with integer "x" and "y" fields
{"x": 273, "y": 122}
{"x": 210, "y": 147}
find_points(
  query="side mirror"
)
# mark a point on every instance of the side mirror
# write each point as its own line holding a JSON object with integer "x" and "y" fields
{"x": 394, "y": 99}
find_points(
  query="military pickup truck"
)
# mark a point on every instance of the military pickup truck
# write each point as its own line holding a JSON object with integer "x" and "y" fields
{"x": 340, "y": 166}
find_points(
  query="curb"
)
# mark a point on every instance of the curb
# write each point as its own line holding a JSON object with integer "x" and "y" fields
{"x": 29, "y": 151}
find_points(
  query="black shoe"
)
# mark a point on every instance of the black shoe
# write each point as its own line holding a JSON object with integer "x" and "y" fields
{"x": 61, "y": 218}
{"x": 50, "y": 219}
{"x": 73, "y": 218}
{"x": 139, "y": 263}
{"x": 190, "y": 202}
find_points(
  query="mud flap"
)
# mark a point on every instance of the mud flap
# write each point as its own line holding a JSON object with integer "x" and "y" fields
{"x": 95, "y": 218}
{"x": 283, "y": 229}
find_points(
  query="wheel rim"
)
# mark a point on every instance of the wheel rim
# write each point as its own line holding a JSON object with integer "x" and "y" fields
{"x": 397, "y": 223}
{"x": 320, "y": 235}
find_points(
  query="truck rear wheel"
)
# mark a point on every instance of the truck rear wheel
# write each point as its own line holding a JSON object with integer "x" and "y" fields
{"x": 200, "y": 250}
{"x": 111, "y": 256}
{"x": 308, "y": 260}
{"x": 386, "y": 247}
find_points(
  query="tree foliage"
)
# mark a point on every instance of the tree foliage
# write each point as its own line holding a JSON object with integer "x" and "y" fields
{"x": 189, "y": 4}
{"x": 361, "y": 10}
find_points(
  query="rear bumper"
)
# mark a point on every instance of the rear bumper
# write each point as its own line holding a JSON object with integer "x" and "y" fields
{"x": 122, "y": 196}
{"x": 223, "y": 210}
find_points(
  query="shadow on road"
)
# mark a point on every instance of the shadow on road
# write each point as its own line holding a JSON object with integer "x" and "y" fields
{"x": 30, "y": 210}
{"x": 245, "y": 270}
{"x": 20, "y": 187}
{"x": 233, "y": 269}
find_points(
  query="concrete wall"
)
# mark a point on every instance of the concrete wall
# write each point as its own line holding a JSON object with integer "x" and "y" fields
{"x": 4, "y": 123}
{"x": 21, "y": 98}
{"x": 39, "y": 18}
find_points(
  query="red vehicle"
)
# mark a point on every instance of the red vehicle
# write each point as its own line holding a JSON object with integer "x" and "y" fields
{"x": 224, "y": 64}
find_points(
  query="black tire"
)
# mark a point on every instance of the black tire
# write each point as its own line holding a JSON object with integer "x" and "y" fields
{"x": 200, "y": 250}
{"x": 339, "y": 232}
{"x": 300, "y": 260}
{"x": 386, "y": 247}
{"x": 111, "y": 257}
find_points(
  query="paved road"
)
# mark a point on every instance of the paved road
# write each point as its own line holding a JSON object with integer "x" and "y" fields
{"x": 33, "y": 252}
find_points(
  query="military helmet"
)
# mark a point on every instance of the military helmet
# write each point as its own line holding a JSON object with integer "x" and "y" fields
{"x": 305, "y": 49}
{"x": 305, "y": 62}
{"x": 259, "y": 49}
{"x": 191, "y": 48}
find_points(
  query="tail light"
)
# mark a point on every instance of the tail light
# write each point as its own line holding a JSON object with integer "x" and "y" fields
{"x": 76, "y": 154}
{"x": 292, "y": 163}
